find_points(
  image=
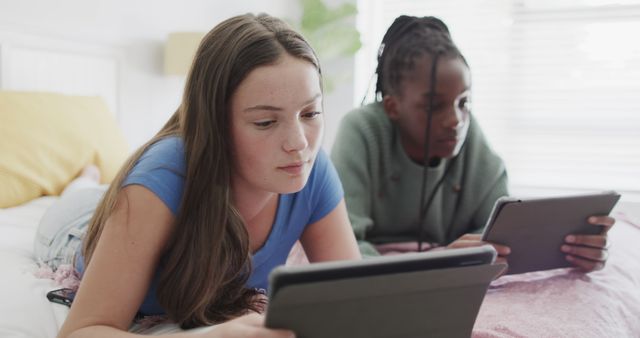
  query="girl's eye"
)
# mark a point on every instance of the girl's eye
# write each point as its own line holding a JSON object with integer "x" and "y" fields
{"x": 264, "y": 124}
{"x": 436, "y": 107}
{"x": 311, "y": 115}
{"x": 464, "y": 104}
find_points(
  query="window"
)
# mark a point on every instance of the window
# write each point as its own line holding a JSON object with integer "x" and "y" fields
{"x": 556, "y": 84}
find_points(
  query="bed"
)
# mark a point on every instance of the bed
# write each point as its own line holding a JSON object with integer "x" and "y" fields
{"x": 558, "y": 303}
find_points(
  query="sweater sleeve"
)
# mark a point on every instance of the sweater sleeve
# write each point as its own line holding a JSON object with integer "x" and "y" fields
{"x": 350, "y": 157}
{"x": 486, "y": 181}
{"x": 483, "y": 212}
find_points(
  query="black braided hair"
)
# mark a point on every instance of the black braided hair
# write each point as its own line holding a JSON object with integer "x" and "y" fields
{"x": 407, "y": 38}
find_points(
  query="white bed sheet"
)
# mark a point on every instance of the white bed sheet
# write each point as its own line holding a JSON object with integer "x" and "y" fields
{"x": 24, "y": 309}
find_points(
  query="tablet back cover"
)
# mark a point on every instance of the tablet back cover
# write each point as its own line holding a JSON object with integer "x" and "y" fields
{"x": 434, "y": 303}
{"x": 535, "y": 229}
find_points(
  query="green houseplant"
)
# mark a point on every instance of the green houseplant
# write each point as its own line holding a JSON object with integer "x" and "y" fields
{"x": 331, "y": 32}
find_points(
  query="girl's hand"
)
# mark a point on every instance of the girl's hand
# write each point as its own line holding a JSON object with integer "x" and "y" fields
{"x": 251, "y": 325}
{"x": 589, "y": 252}
{"x": 470, "y": 240}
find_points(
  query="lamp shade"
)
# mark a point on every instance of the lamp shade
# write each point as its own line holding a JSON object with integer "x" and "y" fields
{"x": 179, "y": 51}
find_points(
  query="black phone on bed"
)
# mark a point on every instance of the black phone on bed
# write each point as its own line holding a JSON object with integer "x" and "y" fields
{"x": 535, "y": 228}
{"x": 65, "y": 296}
{"x": 62, "y": 296}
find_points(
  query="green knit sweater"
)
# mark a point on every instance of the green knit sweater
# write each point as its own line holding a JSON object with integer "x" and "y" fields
{"x": 382, "y": 184}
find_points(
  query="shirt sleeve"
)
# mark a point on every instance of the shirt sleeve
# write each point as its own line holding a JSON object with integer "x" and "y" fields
{"x": 161, "y": 169}
{"x": 325, "y": 188}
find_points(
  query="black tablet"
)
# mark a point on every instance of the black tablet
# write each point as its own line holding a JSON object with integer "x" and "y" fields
{"x": 535, "y": 228}
{"x": 431, "y": 293}
{"x": 375, "y": 266}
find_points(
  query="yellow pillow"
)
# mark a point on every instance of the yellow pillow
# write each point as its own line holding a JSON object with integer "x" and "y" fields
{"x": 46, "y": 139}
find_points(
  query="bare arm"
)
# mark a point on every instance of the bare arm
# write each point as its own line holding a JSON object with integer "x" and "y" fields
{"x": 331, "y": 238}
{"x": 251, "y": 325}
{"x": 122, "y": 266}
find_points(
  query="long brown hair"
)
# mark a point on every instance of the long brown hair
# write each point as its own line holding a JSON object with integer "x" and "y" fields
{"x": 206, "y": 263}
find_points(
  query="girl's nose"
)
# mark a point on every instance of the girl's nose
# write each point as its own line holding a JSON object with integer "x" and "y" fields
{"x": 295, "y": 139}
{"x": 453, "y": 118}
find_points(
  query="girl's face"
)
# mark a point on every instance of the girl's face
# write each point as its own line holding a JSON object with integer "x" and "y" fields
{"x": 276, "y": 126}
{"x": 451, "y": 106}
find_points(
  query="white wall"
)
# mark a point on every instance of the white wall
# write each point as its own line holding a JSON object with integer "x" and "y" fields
{"x": 139, "y": 29}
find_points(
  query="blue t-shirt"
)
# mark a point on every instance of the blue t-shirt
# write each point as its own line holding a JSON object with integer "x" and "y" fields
{"x": 161, "y": 169}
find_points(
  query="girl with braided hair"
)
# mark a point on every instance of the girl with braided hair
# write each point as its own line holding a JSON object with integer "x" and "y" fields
{"x": 414, "y": 164}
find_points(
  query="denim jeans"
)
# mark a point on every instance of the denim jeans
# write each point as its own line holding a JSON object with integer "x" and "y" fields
{"x": 63, "y": 225}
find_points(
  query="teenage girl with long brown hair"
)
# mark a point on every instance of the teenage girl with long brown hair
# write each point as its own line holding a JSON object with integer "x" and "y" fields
{"x": 198, "y": 216}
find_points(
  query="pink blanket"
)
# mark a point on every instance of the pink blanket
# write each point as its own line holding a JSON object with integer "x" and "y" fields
{"x": 566, "y": 303}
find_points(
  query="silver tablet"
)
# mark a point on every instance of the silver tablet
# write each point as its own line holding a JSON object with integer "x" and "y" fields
{"x": 411, "y": 295}
{"x": 535, "y": 228}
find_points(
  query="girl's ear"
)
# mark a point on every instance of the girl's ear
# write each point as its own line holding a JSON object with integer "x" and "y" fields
{"x": 390, "y": 104}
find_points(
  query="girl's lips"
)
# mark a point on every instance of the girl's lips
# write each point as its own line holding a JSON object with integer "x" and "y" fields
{"x": 449, "y": 141}
{"x": 293, "y": 169}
